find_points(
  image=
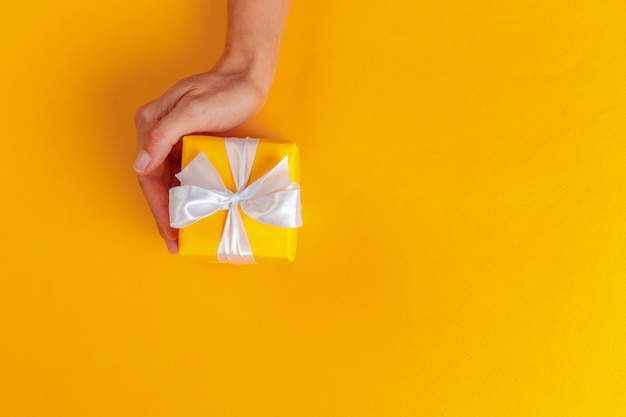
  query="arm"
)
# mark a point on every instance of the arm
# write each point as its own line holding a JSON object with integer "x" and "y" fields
{"x": 219, "y": 100}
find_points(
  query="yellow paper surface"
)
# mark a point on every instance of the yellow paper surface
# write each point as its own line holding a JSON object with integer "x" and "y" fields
{"x": 464, "y": 195}
{"x": 270, "y": 244}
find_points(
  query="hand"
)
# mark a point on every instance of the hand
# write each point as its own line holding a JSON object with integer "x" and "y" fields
{"x": 216, "y": 101}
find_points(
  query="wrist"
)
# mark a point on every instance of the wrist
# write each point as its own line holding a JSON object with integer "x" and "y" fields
{"x": 258, "y": 65}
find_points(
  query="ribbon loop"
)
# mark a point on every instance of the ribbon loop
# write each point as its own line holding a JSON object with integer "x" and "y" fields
{"x": 273, "y": 199}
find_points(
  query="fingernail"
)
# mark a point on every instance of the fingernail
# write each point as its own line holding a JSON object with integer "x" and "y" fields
{"x": 142, "y": 161}
{"x": 172, "y": 246}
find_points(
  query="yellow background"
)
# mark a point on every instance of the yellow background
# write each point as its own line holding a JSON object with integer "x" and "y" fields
{"x": 463, "y": 174}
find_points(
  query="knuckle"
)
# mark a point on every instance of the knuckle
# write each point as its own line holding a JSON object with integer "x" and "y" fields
{"x": 146, "y": 114}
{"x": 141, "y": 115}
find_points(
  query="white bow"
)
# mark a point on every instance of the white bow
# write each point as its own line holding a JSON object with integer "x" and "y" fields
{"x": 273, "y": 199}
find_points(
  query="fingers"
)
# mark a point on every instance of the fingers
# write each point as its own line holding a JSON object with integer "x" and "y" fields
{"x": 172, "y": 245}
{"x": 159, "y": 128}
{"x": 160, "y": 139}
{"x": 156, "y": 193}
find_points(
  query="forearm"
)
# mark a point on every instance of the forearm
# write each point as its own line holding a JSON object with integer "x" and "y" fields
{"x": 255, "y": 29}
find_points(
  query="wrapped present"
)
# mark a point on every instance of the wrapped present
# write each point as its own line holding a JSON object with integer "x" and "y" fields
{"x": 239, "y": 200}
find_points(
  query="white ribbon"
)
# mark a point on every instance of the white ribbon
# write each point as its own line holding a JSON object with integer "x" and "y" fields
{"x": 273, "y": 199}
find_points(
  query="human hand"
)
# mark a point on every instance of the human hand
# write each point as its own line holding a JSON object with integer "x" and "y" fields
{"x": 216, "y": 102}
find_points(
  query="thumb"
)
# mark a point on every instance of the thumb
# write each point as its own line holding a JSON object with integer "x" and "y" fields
{"x": 160, "y": 139}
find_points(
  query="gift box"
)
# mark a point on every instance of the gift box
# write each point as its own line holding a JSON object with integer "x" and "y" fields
{"x": 239, "y": 200}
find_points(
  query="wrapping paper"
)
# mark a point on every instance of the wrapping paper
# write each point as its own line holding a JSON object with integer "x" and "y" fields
{"x": 239, "y": 200}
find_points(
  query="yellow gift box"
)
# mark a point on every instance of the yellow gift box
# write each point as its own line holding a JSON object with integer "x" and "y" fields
{"x": 269, "y": 244}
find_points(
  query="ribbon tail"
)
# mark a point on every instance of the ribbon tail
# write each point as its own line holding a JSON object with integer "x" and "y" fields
{"x": 234, "y": 246}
